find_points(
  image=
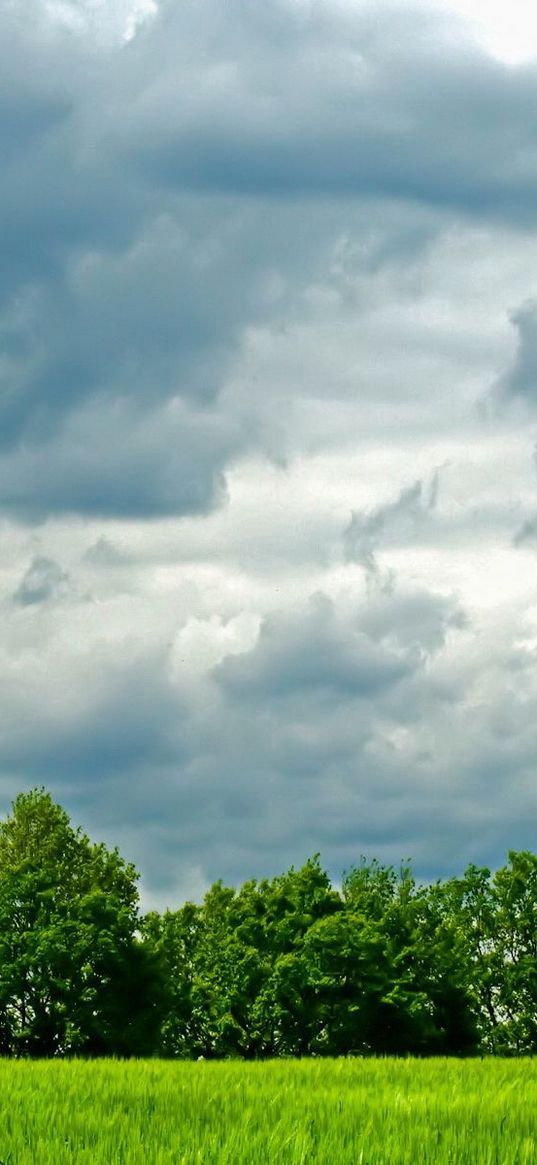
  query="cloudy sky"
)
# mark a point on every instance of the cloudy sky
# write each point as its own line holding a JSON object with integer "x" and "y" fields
{"x": 268, "y": 425}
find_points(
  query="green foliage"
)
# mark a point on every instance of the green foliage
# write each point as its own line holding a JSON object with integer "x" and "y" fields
{"x": 73, "y": 976}
{"x": 291, "y": 967}
{"x": 496, "y": 921}
{"x": 288, "y": 966}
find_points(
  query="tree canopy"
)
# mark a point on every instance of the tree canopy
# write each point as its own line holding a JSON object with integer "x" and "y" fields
{"x": 74, "y": 976}
{"x": 290, "y": 965}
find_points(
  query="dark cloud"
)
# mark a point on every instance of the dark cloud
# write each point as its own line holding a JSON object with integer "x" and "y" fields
{"x": 392, "y": 522}
{"x": 169, "y": 172}
{"x": 312, "y": 651}
{"x": 520, "y": 379}
{"x": 119, "y": 714}
{"x": 270, "y": 756}
{"x": 118, "y": 461}
{"x": 527, "y": 532}
{"x": 384, "y": 103}
{"x": 105, "y": 554}
{"x": 43, "y": 580}
{"x": 265, "y": 230}
{"x": 413, "y": 620}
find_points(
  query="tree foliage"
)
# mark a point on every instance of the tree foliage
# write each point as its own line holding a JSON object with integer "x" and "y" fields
{"x": 290, "y": 966}
{"x": 287, "y": 966}
{"x": 73, "y": 975}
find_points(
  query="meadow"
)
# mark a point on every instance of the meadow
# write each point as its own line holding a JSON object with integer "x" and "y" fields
{"x": 339, "y": 1112}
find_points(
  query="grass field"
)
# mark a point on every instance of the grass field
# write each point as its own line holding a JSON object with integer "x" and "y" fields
{"x": 339, "y": 1112}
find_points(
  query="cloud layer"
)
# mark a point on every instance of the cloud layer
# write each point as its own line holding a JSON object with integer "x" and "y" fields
{"x": 267, "y": 417}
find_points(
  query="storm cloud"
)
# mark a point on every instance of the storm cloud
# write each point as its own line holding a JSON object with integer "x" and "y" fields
{"x": 167, "y": 226}
{"x": 268, "y": 360}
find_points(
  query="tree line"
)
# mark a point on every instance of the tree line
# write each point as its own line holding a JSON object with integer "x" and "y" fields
{"x": 287, "y": 966}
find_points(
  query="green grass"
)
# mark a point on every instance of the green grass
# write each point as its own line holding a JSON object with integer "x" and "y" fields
{"x": 339, "y": 1112}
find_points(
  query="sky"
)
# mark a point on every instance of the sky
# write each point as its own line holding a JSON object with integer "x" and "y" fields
{"x": 268, "y": 430}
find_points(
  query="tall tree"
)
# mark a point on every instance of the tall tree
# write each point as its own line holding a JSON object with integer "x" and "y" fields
{"x": 515, "y": 941}
{"x": 427, "y": 1004}
{"x": 497, "y": 919}
{"x": 73, "y": 975}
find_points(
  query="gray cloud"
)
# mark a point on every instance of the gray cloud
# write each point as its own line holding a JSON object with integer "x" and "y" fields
{"x": 392, "y": 521}
{"x": 43, "y": 579}
{"x": 275, "y": 751}
{"x": 520, "y": 379}
{"x": 118, "y": 461}
{"x": 168, "y": 171}
{"x": 382, "y": 726}
{"x": 527, "y": 532}
{"x": 104, "y": 553}
{"x": 119, "y": 714}
{"x": 414, "y": 620}
{"x": 359, "y": 117}
{"x": 308, "y": 652}
{"x": 291, "y": 233}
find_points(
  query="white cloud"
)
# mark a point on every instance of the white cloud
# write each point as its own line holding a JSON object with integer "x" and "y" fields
{"x": 264, "y": 278}
{"x": 108, "y": 21}
{"x": 508, "y": 31}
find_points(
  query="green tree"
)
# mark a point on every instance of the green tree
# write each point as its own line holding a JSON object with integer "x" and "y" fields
{"x": 74, "y": 976}
{"x": 497, "y": 919}
{"x": 173, "y": 937}
{"x": 426, "y": 1005}
{"x": 233, "y": 966}
{"x": 515, "y": 948}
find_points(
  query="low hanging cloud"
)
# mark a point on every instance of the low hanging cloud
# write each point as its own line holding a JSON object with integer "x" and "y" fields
{"x": 378, "y": 725}
{"x": 258, "y": 269}
{"x": 311, "y": 701}
{"x": 527, "y": 531}
{"x": 520, "y": 379}
{"x": 120, "y": 462}
{"x": 43, "y": 580}
{"x": 167, "y": 224}
{"x": 392, "y": 522}
{"x": 312, "y": 651}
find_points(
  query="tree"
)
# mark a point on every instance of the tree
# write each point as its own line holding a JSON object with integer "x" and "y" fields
{"x": 497, "y": 916}
{"x": 233, "y": 966}
{"x": 174, "y": 937}
{"x": 427, "y": 1004}
{"x": 74, "y": 977}
{"x": 514, "y": 889}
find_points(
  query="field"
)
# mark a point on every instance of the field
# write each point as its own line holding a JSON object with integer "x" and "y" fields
{"x": 339, "y": 1112}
